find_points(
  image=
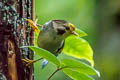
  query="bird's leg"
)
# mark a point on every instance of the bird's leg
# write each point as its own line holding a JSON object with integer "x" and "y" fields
{"x": 34, "y": 25}
{"x": 30, "y": 62}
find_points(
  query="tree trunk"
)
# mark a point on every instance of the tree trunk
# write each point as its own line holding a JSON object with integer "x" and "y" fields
{"x": 15, "y": 33}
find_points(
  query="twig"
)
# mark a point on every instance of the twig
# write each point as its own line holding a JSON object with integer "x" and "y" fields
{"x": 38, "y": 59}
{"x": 55, "y": 72}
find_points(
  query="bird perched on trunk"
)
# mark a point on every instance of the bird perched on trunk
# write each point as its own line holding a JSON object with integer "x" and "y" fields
{"x": 52, "y": 36}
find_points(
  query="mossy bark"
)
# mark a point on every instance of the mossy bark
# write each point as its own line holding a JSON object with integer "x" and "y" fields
{"x": 14, "y": 33}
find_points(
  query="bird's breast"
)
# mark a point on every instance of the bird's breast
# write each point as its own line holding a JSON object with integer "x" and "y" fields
{"x": 49, "y": 42}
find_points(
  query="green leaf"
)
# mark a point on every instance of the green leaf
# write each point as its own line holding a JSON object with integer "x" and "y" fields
{"x": 79, "y": 66}
{"x": 45, "y": 54}
{"x": 36, "y": 38}
{"x": 80, "y": 32}
{"x": 76, "y": 75}
{"x": 78, "y": 48}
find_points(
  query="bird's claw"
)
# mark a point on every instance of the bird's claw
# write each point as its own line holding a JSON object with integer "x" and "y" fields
{"x": 34, "y": 25}
{"x": 28, "y": 62}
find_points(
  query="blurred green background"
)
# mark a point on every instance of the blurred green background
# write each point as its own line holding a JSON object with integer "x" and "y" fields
{"x": 100, "y": 19}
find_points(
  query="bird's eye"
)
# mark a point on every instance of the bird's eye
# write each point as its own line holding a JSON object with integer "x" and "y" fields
{"x": 67, "y": 28}
{"x": 60, "y": 31}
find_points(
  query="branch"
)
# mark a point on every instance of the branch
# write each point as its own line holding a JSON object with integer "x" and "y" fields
{"x": 55, "y": 72}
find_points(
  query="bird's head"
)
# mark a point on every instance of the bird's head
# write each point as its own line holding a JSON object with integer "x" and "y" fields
{"x": 64, "y": 28}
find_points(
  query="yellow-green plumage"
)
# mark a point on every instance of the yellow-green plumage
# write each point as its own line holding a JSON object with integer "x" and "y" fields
{"x": 52, "y": 36}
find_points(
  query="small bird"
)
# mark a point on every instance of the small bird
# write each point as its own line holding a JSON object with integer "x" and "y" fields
{"x": 52, "y": 36}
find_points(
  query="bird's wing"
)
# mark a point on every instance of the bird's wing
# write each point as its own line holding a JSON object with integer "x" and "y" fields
{"x": 59, "y": 50}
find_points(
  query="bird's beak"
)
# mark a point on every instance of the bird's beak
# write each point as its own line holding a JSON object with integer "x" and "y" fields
{"x": 72, "y": 29}
{"x": 74, "y": 33}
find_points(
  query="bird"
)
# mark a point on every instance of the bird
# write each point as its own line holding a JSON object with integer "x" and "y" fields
{"x": 52, "y": 36}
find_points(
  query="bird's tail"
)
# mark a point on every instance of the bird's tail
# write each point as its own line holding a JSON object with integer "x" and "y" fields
{"x": 44, "y": 63}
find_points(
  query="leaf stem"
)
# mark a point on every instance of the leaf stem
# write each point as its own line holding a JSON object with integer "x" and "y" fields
{"x": 38, "y": 59}
{"x": 58, "y": 69}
